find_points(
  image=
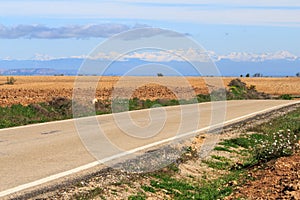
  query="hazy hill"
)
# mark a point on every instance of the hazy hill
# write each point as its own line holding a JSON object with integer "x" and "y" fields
{"x": 70, "y": 66}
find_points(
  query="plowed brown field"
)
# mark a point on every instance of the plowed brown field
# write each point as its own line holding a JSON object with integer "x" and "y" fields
{"x": 34, "y": 89}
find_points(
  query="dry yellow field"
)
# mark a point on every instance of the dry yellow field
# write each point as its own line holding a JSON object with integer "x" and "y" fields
{"x": 34, "y": 89}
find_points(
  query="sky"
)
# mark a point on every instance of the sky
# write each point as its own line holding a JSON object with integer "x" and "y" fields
{"x": 44, "y": 29}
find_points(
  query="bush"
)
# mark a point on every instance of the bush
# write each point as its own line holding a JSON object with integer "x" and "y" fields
{"x": 239, "y": 90}
{"x": 286, "y": 97}
{"x": 237, "y": 83}
{"x": 281, "y": 143}
{"x": 10, "y": 80}
{"x": 219, "y": 95}
{"x": 203, "y": 98}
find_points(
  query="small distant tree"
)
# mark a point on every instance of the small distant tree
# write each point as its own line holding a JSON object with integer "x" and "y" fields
{"x": 298, "y": 74}
{"x": 160, "y": 75}
{"x": 257, "y": 75}
{"x": 10, "y": 80}
{"x": 248, "y": 75}
{"x": 241, "y": 75}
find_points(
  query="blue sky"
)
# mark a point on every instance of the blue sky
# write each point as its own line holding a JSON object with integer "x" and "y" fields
{"x": 29, "y": 29}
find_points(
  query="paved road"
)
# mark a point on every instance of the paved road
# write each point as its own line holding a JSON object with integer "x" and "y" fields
{"x": 35, "y": 152}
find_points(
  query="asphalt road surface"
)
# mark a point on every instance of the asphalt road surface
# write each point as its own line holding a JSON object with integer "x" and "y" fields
{"x": 34, "y": 154}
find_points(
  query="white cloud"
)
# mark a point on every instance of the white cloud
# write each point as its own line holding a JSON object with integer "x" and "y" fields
{"x": 215, "y": 11}
{"x": 78, "y": 31}
{"x": 225, "y": 2}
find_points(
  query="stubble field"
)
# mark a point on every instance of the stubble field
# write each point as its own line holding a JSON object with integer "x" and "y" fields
{"x": 35, "y": 89}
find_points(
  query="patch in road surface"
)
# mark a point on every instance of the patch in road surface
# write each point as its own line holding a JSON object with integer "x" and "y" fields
{"x": 50, "y": 132}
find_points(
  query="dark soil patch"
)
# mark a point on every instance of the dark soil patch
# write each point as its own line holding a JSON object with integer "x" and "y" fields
{"x": 279, "y": 179}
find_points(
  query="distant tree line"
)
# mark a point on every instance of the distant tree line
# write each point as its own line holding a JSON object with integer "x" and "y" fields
{"x": 261, "y": 75}
{"x": 254, "y": 75}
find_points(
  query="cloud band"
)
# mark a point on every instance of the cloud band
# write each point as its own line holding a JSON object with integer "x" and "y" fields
{"x": 76, "y": 31}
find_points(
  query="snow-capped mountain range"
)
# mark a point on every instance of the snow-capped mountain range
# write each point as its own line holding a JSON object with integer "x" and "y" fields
{"x": 252, "y": 57}
{"x": 281, "y": 63}
{"x": 174, "y": 55}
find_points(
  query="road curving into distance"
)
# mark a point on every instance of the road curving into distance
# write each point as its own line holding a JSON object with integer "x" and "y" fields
{"x": 35, "y": 154}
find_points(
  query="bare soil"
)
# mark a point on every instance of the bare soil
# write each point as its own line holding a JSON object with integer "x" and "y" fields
{"x": 35, "y": 89}
{"x": 279, "y": 179}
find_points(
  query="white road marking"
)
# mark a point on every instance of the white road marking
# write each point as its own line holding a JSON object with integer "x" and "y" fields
{"x": 95, "y": 163}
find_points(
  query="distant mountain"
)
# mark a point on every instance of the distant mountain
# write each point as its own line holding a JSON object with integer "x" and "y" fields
{"x": 73, "y": 66}
{"x": 279, "y": 67}
{"x": 57, "y": 64}
{"x": 39, "y": 67}
{"x": 38, "y": 71}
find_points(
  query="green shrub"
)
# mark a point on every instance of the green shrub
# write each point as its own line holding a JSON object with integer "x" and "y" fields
{"x": 286, "y": 97}
{"x": 281, "y": 143}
